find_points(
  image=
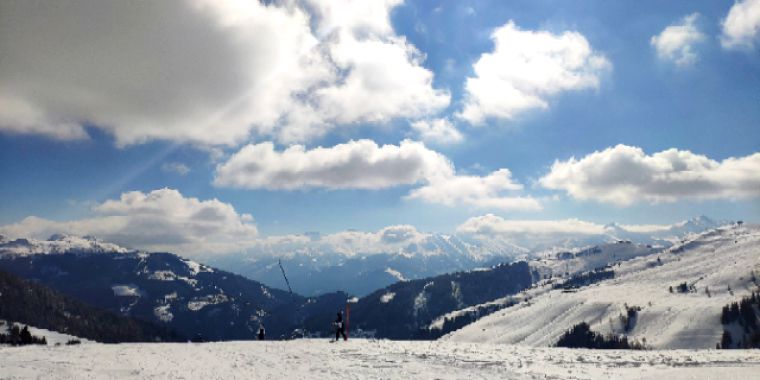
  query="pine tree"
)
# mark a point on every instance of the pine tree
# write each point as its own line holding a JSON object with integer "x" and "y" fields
{"x": 725, "y": 341}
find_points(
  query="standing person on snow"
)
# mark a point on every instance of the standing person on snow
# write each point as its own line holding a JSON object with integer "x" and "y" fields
{"x": 340, "y": 327}
{"x": 261, "y": 332}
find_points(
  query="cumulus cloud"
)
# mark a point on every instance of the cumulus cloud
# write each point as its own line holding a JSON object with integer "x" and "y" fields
{"x": 391, "y": 239}
{"x": 360, "y": 164}
{"x": 525, "y": 68}
{"x": 624, "y": 175}
{"x": 481, "y": 236}
{"x": 388, "y": 239}
{"x": 175, "y": 167}
{"x": 646, "y": 228}
{"x": 398, "y": 234}
{"x": 161, "y": 220}
{"x": 207, "y": 72}
{"x": 401, "y": 239}
{"x": 538, "y": 235}
{"x": 492, "y": 225}
{"x": 741, "y": 26}
{"x": 363, "y": 164}
{"x": 19, "y": 116}
{"x": 440, "y": 131}
{"x": 676, "y": 42}
{"x": 165, "y": 220}
{"x": 483, "y": 192}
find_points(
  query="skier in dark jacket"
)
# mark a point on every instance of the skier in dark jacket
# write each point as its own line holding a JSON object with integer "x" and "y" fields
{"x": 340, "y": 327}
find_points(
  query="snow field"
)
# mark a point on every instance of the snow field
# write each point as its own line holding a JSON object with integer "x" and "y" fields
{"x": 363, "y": 359}
{"x": 716, "y": 260}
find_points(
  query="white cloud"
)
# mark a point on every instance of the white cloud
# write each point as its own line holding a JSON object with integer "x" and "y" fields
{"x": 386, "y": 240}
{"x": 378, "y": 74}
{"x": 164, "y": 220}
{"x": 492, "y": 225}
{"x": 676, "y": 42}
{"x": 402, "y": 239}
{"x": 175, "y": 167}
{"x": 440, "y": 131}
{"x": 161, "y": 220}
{"x": 482, "y": 192}
{"x": 561, "y": 234}
{"x": 534, "y": 235}
{"x": 391, "y": 239}
{"x": 363, "y": 164}
{"x": 482, "y": 236}
{"x": 646, "y": 228}
{"x": 207, "y": 72}
{"x": 358, "y": 164}
{"x": 525, "y": 68}
{"x": 18, "y": 116}
{"x": 624, "y": 175}
{"x": 399, "y": 234}
{"x": 354, "y": 16}
{"x": 741, "y": 26}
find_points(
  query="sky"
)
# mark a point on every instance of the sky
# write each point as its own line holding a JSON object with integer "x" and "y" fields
{"x": 220, "y": 124}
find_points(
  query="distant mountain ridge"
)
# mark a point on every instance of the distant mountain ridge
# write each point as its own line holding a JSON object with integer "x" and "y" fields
{"x": 58, "y": 243}
{"x": 195, "y": 300}
{"x": 33, "y": 304}
{"x": 324, "y": 270}
{"x": 322, "y": 267}
{"x": 671, "y": 234}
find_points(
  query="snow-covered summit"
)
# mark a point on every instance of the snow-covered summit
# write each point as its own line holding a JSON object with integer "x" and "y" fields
{"x": 58, "y": 244}
{"x": 598, "y": 256}
{"x": 718, "y": 267}
{"x": 660, "y": 234}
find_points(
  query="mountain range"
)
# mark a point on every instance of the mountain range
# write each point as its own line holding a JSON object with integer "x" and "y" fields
{"x": 316, "y": 264}
{"x": 40, "y": 306}
{"x": 203, "y": 302}
{"x": 192, "y": 299}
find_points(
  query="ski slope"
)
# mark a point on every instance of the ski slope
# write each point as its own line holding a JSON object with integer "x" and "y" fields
{"x": 363, "y": 359}
{"x": 722, "y": 261}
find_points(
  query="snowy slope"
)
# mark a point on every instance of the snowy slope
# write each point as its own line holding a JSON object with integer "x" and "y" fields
{"x": 551, "y": 268}
{"x": 589, "y": 258}
{"x": 164, "y": 289}
{"x": 51, "y": 337}
{"x": 361, "y": 359}
{"x": 714, "y": 260}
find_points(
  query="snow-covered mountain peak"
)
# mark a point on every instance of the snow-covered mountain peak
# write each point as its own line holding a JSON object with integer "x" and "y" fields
{"x": 701, "y": 220}
{"x": 678, "y": 293}
{"x": 58, "y": 244}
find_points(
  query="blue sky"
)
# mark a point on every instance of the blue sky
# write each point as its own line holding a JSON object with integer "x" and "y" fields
{"x": 635, "y": 94}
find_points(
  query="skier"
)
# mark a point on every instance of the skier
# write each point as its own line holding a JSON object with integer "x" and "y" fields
{"x": 261, "y": 332}
{"x": 340, "y": 327}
